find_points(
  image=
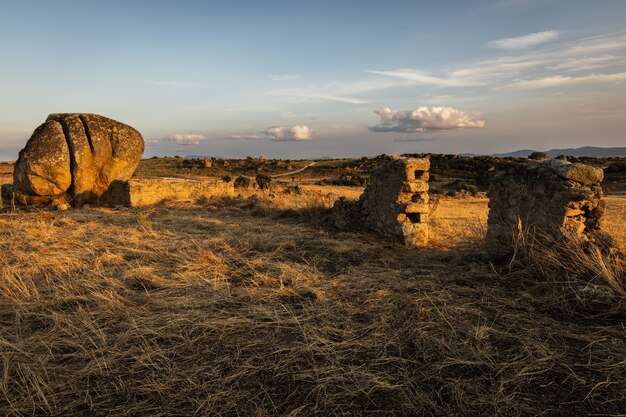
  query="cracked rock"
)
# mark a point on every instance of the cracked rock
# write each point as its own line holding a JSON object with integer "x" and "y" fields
{"x": 75, "y": 157}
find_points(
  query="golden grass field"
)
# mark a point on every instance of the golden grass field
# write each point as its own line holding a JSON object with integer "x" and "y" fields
{"x": 259, "y": 307}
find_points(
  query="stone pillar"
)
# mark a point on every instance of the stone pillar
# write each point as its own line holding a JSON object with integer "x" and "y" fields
{"x": 551, "y": 198}
{"x": 395, "y": 203}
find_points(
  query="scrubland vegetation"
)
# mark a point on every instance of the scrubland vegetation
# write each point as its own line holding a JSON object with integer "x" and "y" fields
{"x": 259, "y": 306}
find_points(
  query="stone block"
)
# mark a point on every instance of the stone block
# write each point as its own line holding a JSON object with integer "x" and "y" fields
{"x": 147, "y": 192}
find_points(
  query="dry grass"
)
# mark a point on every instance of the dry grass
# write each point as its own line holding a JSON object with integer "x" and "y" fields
{"x": 255, "y": 307}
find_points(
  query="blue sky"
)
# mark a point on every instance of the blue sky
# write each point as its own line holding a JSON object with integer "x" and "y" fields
{"x": 320, "y": 78}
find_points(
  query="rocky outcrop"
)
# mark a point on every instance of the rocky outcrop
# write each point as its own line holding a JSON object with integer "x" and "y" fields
{"x": 551, "y": 197}
{"x": 74, "y": 157}
{"x": 395, "y": 203}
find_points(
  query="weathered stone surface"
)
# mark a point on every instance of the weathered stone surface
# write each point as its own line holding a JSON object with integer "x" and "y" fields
{"x": 394, "y": 204}
{"x": 42, "y": 171}
{"x": 551, "y": 198}
{"x": 581, "y": 173}
{"x": 75, "y": 157}
{"x": 148, "y": 191}
{"x": 245, "y": 183}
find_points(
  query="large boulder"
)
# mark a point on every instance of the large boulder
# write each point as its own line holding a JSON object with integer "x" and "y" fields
{"x": 74, "y": 157}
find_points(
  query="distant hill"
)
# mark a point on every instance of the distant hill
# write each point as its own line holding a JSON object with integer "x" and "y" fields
{"x": 584, "y": 151}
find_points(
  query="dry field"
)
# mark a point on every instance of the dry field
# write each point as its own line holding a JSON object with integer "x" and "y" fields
{"x": 259, "y": 307}
{"x": 6, "y": 173}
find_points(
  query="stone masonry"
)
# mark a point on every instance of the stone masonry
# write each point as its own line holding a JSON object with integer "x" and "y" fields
{"x": 395, "y": 203}
{"x": 550, "y": 197}
{"x": 150, "y": 191}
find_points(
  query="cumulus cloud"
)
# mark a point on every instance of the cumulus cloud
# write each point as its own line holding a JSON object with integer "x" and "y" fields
{"x": 278, "y": 133}
{"x": 425, "y": 119}
{"x": 187, "y": 139}
{"x": 522, "y": 42}
{"x": 298, "y": 132}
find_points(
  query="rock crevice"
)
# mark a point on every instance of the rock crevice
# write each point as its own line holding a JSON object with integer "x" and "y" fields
{"x": 73, "y": 158}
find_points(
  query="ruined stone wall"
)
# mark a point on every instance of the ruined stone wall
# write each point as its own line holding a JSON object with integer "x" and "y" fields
{"x": 147, "y": 192}
{"x": 550, "y": 197}
{"x": 395, "y": 203}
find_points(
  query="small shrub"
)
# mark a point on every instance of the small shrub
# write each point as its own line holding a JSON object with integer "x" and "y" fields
{"x": 470, "y": 188}
{"x": 227, "y": 178}
{"x": 264, "y": 181}
{"x": 538, "y": 155}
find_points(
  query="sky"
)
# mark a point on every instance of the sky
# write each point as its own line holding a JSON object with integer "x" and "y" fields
{"x": 306, "y": 79}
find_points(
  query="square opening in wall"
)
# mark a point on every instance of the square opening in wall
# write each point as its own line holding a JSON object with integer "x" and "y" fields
{"x": 414, "y": 217}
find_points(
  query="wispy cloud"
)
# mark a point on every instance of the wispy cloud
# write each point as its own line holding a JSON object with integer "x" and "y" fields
{"x": 285, "y": 77}
{"x": 331, "y": 97}
{"x": 251, "y": 136}
{"x": 585, "y": 63}
{"x": 498, "y": 73}
{"x": 181, "y": 84}
{"x": 525, "y": 41}
{"x": 186, "y": 139}
{"x": 426, "y": 119}
{"x": 346, "y": 92}
{"x": 565, "y": 80}
{"x": 419, "y": 77}
{"x": 597, "y": 45}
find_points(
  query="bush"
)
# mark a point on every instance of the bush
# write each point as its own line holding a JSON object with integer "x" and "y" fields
{"x": 264, "y": 181}
{"x": 616, "y": 167}
{"x": 227, "y": 178}
{"x": 538, "y": 155}
{"x": 470, "y": 188}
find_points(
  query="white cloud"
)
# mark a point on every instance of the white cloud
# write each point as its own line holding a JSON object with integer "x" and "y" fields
{"x": 331, "y": 97}
{"x": 584, "y": 63}
{"x": 187, "y": 139}
{"x": 298, "y": 132}
{"x": 340, "y": 92}
{"x": 598, "y": 44}
{"x": 278, "y": 133}
{"x": 285, "y": 77}
{"x": 497, "y": 73}
{"x": 565, "y": 80}
{"x": 252, "y": 136}
{"x": 425, "y": 119}
{"x": 482, "y": 73}
{"x": 522, "y": 42}
{"x": 181, "y": 84}
{"x": 419, "y": 77}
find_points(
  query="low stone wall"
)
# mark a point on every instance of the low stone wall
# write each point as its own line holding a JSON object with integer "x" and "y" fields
{"x": 551, "y": 197}
{"x": 147, "y": 192}
{"x": 395, "y": 203}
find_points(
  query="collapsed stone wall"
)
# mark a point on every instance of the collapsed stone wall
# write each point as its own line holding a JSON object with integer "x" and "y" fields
{"x": 550, "y": 197}
{"x": 395, "y": 203}
{"x": 151, "y": 191}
